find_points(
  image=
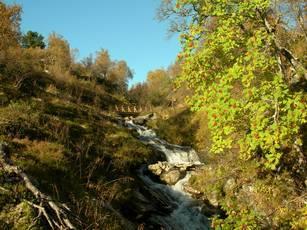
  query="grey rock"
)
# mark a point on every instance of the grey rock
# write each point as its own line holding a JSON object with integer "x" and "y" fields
{"x": 171, "y": 177}
{"x": 171, "y": 173}
{"x": 230, "y": 185}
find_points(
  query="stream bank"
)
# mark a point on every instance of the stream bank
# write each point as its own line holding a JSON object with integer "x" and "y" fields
{"x": 248, "y": 195}
{"x": 165, "y": 200}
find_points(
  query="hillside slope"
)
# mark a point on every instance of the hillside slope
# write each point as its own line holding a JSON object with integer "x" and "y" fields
{"x": 62, "y": 136}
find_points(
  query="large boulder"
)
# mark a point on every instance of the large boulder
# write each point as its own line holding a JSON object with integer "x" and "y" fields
{"x": 171, "y": 173}
{"x": 168, "y": 173}
{"x": 171, "y": 177}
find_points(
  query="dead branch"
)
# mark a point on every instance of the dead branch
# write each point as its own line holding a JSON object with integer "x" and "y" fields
{"x": 56, "y": 215}
{"x": 4, "y": 189}
{"x": 284, "y": 56}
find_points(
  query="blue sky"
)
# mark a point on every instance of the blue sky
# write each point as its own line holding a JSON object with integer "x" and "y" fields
{"x": 127, "y": 28}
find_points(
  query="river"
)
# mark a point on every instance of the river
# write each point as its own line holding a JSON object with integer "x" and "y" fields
{"x": 179, "y": 211}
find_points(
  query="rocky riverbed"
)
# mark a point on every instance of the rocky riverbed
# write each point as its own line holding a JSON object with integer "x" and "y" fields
{"x": 165, "y": 200}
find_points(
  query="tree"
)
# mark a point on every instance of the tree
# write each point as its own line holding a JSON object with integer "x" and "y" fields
{"x": 88, "y": 62}
{"x": 242, "y": 77}
{"x": 138, "y": 94}
{"x": 59, "y": 54}
{"x": 114, "y": 74}
{"x": 32, "y": 40}
{"x": 119, "y": 75}
{"x": 159, "y": 90}
{"x": 15, "y": 63}
{"x": 158, "y": 85}
{"x": 102, "y": 64}
{"x": 9, "y": 25}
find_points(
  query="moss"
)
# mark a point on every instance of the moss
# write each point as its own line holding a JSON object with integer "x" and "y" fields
{"x": 18, "y": 217}
{"x": 126, "y": 150}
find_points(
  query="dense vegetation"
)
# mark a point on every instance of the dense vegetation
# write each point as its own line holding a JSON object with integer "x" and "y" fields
{"x": 245, "y": 65}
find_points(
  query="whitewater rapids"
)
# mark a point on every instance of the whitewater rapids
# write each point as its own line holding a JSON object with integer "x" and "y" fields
{"x": 185, "y": 211}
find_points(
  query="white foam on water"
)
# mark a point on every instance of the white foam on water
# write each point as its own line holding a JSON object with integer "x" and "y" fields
{"x": 186, "y": 215}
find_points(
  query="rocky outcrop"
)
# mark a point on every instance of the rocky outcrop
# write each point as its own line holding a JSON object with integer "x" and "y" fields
{"x": 171, "y": 173}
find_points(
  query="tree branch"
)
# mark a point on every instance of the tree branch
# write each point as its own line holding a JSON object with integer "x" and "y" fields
{"x": 299, "y": 72}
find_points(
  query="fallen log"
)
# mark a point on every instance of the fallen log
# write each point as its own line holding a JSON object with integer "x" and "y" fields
{"x": 55, "y": 214}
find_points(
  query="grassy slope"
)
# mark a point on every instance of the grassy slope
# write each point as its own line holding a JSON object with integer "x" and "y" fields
{"x": 60, "y": 134}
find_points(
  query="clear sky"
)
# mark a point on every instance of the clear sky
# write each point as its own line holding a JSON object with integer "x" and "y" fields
{"x": 127, "y": 28}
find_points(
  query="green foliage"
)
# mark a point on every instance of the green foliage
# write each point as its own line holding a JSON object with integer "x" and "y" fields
{"x": 250, "y": 198}
{"x": 173, "y": 130}
{"x": 235, "y": 76}
{"x": 244, "y": 219}
{"x": 256, "y": 118}
{"x": 32, "y": 40}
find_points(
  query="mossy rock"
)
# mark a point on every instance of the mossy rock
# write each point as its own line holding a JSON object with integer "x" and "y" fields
{"x": 19, "y": 217}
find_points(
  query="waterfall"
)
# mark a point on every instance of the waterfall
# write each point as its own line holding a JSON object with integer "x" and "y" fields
{"x": 185, "y": 211}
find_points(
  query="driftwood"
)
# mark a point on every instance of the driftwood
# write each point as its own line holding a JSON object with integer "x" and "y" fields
{"x": 55, "y": 214}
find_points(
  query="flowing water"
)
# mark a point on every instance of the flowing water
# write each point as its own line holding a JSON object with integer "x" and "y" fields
{"x": 184, "y": 213}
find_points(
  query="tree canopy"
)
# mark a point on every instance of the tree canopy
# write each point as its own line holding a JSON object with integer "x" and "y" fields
{"x": 32, "y": 40}
{"x": 9, "y": 25}
{"x": 59, "y": 53}
{"x": 242, "y": 76}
